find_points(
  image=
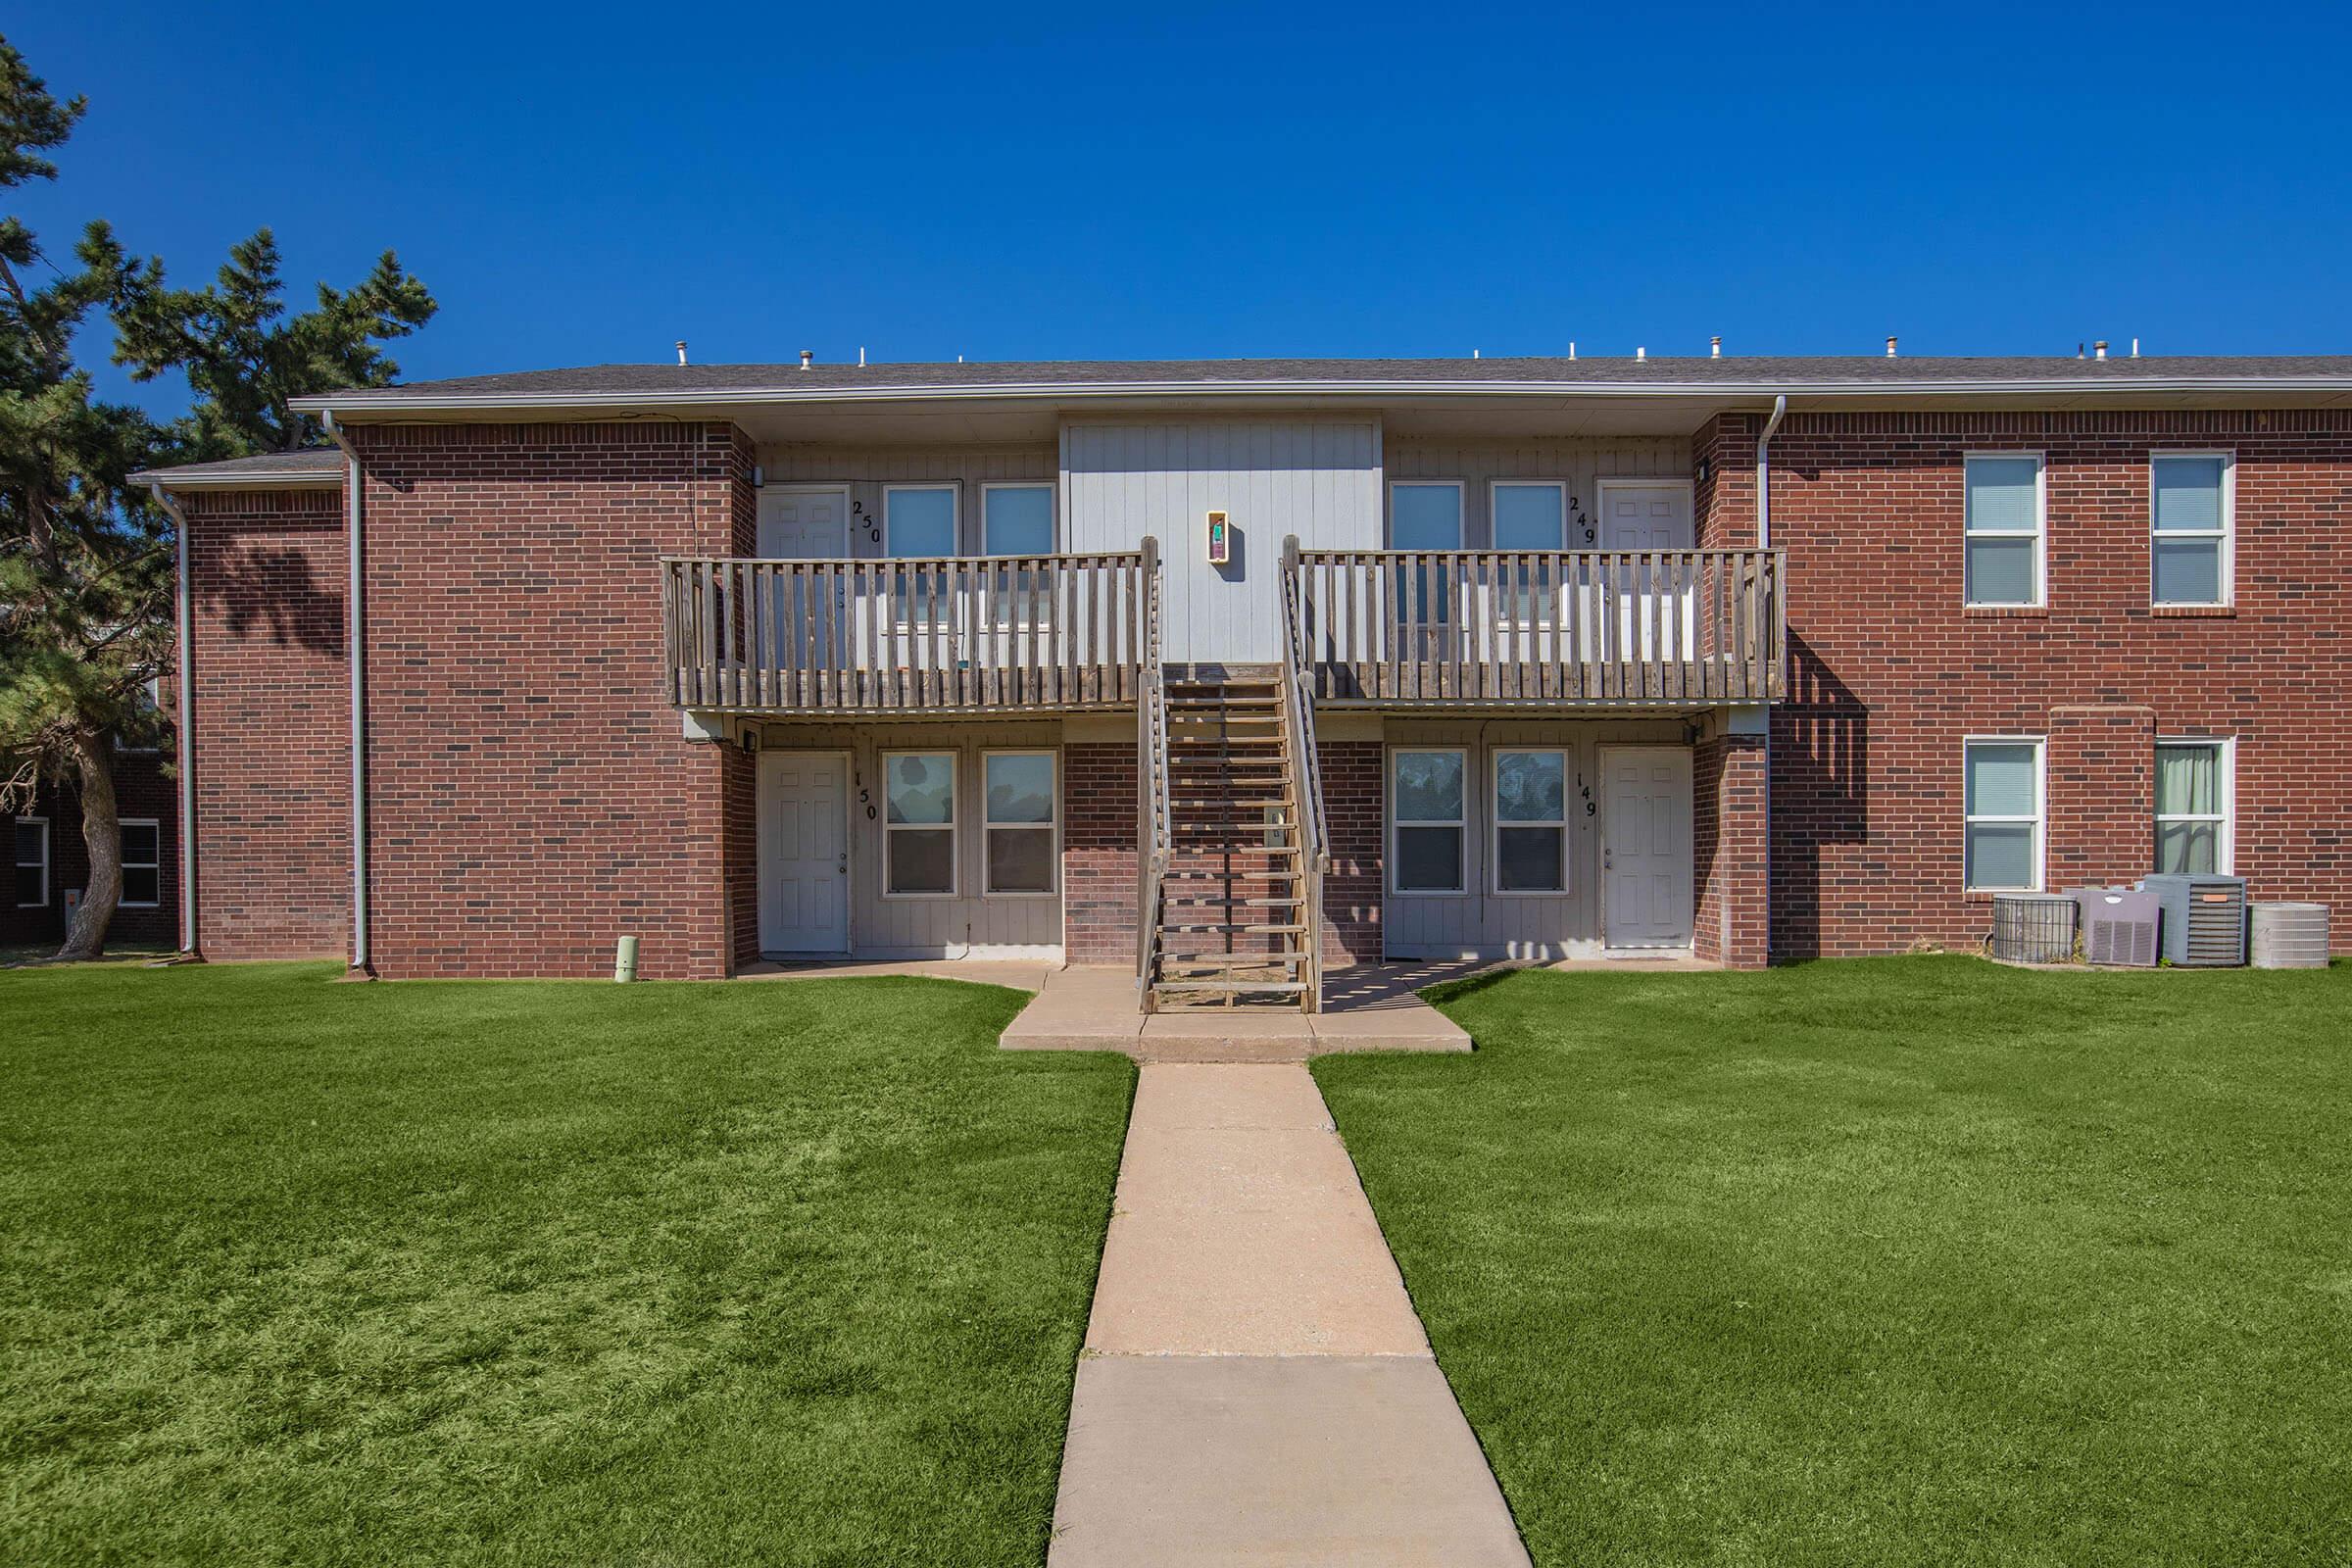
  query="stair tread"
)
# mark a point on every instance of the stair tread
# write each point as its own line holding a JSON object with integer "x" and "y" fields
{"x": 1228, "y": 928}
{"x": 1292, "y": 986}
{"x": 1268, "y": 902}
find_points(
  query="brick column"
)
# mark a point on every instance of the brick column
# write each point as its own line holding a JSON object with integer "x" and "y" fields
{"x": 1351, "y": 819}
{"x": 1097, "y": 852}
{"x": 1731, "y": 848}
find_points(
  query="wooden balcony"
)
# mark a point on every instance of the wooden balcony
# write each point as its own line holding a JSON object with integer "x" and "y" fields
{"x": 1510, "y": 628}
{"x": 908, "y": 637}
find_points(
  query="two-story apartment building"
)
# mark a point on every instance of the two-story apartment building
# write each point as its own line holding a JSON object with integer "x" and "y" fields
{"x": 1231, "y": 669}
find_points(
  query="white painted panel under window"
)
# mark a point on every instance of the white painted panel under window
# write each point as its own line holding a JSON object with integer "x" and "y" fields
{"x": 1316, "y": 478}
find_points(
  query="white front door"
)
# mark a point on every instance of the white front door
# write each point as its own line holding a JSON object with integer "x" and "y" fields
{"x": 804, "y": 523}
{"x": 1654, "y": 618}
{"x": 803, "y": 852}
{"x": 1646, "y": 846}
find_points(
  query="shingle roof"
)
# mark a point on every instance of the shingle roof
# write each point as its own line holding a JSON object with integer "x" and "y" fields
{"x": 1860, "y": 372}
{"x": 315, "y": 464}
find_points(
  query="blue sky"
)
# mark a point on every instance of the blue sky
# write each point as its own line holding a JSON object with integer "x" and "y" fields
{"x": 579, "y": 184}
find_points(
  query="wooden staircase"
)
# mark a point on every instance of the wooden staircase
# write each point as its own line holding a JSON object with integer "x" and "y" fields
{"x": 1234, "y": 925}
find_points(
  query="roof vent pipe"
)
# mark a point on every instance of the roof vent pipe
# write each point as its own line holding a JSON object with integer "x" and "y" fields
{"x": 808, "y": 357}
{"x": 1572, "y": 348}
{"x": 861, "y": 356}
{"x": 1890, "y": 345}
{"x": 681, "y": 351}
{"x": 2101, "y": 348}
{"x": 1715, "y": 347}
{"x": 1640, "y": 355}
{"x": 2136, "y": 348}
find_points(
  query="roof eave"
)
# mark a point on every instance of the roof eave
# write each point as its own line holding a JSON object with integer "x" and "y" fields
{"x": 364, "y": 405}
{"x": 280, "y": 479}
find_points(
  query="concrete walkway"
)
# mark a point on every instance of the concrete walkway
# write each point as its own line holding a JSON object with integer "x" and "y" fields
{"x": 1255, "y": 1386}
{"x": 1366, "y": 1008}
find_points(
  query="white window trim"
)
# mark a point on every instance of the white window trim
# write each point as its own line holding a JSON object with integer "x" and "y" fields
{"x": 953, "y": 826}
{"x": 46, "y": 862}
{"x": 1461, "y": 501}
{"x": 123, "y": 852}
{"x": 2040, "y": 534}
{"x": 1461, "y": 873}
{"x": 2040, "y": 819}
{"x": 955, "y": 490}
{"x": 1053, "y": 890}
{"x": 1053, "y": 510}
{"x": 1496, "y": 824}
{"x": 2227, "y": 533}
{"x": 2224, "y": 842}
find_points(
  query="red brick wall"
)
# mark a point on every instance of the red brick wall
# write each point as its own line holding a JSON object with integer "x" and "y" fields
{"x": 1723, "y": 489}
{"x": 1097, "y": 852}
{"x": 140, "y": 791}
{"x": 1352, "y": 783}
{"x": 1728, "y": 851}
{"x": 271, "y": 700}
{"x": 1890, "y": 673}
{"x": 531, "y": 796}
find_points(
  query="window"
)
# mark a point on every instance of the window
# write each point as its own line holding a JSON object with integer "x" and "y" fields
{"x": 1017, "y": 520}
{"x": 142, "y": 864}
{"x": 1425, "y": 514}
{"x": 1531, "y": 514}
{"x": 2003, "y": 528}
{"x": 1019, "y": 815}
{"x": 2194, "y": 787}
{"x": 2191, "y": 506}
{"x": 1426, "y": 797}
{"x": 918, "y": 825}
{"x": 919, "y": 519}
{"x": 32, "y": 861}
{"x": 1531, "y": 821}
{"x": 2003, "y": 808}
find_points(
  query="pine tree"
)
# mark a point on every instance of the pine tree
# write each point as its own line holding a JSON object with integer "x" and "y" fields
{"x": 245, "y": 358}
{"x": 85, "y": 569}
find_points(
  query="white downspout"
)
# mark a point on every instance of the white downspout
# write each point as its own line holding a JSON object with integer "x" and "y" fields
{"x": 1780, "y": 411}
{"x": 183, "y": 605}
{"x": 353, "y": 613}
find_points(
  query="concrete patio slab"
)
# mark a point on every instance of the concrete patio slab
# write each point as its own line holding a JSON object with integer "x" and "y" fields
{"x": 1295, "y": 1460}
{"x": 1366, "y": 1008}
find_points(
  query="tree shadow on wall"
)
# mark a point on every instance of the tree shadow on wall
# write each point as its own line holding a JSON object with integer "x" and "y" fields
{"x": 275, "y": 593}
{"x": 1821, "y": 793}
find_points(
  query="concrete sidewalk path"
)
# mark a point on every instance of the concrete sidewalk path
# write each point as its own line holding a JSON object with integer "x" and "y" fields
{"x": 1255, "y": 1386}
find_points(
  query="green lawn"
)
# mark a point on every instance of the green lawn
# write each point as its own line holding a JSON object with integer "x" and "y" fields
{"x": 1911, "y": 1260}
{"x": 558, "y": 1273}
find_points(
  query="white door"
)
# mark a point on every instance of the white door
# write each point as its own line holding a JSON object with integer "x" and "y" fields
{"x": 1645, "y": 847}
{"x": 803, "y": 852}
{"x": 799, "y": 627}
{"x": 1653, "y": 617}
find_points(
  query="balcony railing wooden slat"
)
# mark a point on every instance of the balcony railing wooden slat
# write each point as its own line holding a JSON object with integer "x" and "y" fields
{"x": 1619, "y": 628}
{"x": 948, "y": 634}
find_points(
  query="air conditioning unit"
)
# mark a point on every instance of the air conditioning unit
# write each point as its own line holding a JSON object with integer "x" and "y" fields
{"x": 2204, "y": 918}
{"x": 2032, "y": 929}
{"x": 2118, "y": 926}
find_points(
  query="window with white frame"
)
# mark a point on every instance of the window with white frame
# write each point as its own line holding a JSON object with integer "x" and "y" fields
{"x": 1020, "y": 815}
{"x": 1531, "y": 821}
{"x": 2002, "y": 543}
{"x": 920, "y": 520}
{"x": 1530, "y": 515}
{"x": 2003, "y": 806}
{"x": 142, "y": 864}
{"x": 2192, "y": 806}
{"x": 32, "y": 861}
{"x": 2190, "y": 521}
{"x": 918, "y": 825}
{"x": 1017, "y": 520}
{"x": 1425, "y": 514}
{"x": 1427, "y": 793}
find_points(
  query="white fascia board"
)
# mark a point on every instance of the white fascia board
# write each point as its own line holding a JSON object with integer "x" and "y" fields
{"x": 302, "y": 479}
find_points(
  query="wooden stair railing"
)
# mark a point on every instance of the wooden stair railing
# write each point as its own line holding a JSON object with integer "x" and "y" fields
{"x": 1154, "y": 832}
{"x": 1305, "y": 766}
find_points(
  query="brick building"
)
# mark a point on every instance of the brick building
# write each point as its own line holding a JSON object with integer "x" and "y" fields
{"x": 1284, "y": 663}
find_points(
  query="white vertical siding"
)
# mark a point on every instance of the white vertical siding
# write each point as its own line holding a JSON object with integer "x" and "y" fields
{"x": 1316, "y": 478}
